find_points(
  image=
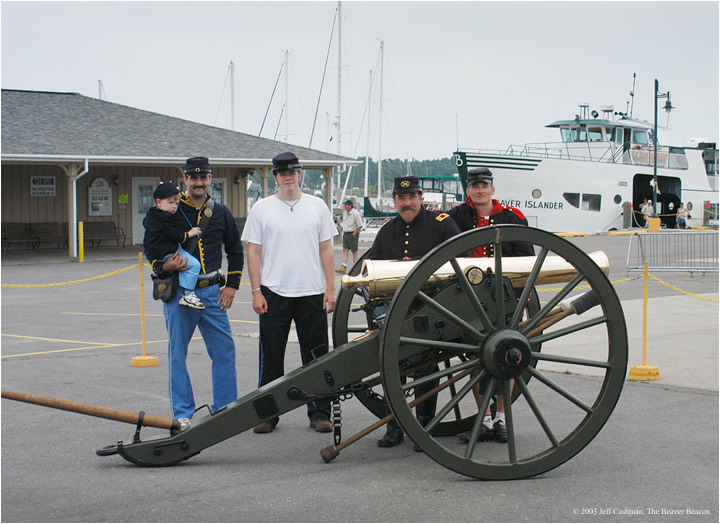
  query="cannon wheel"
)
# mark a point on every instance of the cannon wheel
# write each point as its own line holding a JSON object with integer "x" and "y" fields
{"x": 555, "y": 420}
{"x": 341, "y": 333}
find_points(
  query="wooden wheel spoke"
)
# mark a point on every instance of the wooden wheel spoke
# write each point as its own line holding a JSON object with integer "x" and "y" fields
{"x": 441, "y": 373}
{"x": 455, "y": 400}
{"x": 509, "y": 424}
{"x": 536, "y": 410}
{"x": 559, "y": 389}
{"x": 452, "y": 317}
{"x": 479, "y": 419}
{"x": 570, "y": 360}
{"x": 529, "y": 287}
{"x": 526, "y": 328}
{"x": 474, "y": 301}
{"x": 568, "y": 330}
{"x": 499, "y": 284}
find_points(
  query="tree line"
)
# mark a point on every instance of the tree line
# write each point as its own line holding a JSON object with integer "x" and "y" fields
{"x": 391, "y": 168}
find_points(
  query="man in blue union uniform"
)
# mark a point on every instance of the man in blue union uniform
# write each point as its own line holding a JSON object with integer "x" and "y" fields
{"x": 411, "y": 235}
{"x": 197, "y": 209}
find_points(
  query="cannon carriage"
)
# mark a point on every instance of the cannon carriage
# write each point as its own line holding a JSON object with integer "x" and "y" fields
{"x": 438, "y": 329}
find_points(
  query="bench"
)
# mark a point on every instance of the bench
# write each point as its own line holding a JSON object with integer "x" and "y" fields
{"x": 17, "y": 233}
{"x": 50, "y": 232}
{"x": 99, "y": 231}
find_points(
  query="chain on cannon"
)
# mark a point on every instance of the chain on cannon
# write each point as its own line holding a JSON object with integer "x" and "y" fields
{"x": 465, "y": 331}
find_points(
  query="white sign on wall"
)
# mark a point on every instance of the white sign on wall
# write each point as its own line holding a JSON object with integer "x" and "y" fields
{"x": 99, "y": 198}
{"x": 42, "y": 186}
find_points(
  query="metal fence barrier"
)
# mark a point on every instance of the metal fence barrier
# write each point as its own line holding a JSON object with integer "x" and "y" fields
{"x": 690, "y": 251}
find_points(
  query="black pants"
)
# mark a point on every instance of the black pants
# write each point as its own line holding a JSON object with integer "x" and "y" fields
{"x": 312, "y": 331}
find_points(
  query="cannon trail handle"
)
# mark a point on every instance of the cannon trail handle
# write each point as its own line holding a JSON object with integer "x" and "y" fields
{"x": 121, "y": 415}
{"x": 330, "y": 452}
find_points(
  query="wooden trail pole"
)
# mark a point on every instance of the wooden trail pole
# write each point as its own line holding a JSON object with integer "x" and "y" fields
{"x": 121, "y": 415}
{"x": 144, "y": 360}
{"x": 330, "y": 452}
{"x": 644, "y": 372}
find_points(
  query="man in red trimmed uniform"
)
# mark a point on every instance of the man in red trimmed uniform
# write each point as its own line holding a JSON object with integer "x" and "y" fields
{"x": 481, "y": 210}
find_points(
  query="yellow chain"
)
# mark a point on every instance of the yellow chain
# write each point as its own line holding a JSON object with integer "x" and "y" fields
{"x": 681, "y": 290}
{"x": 89, "y": 279}
{"x": 71, "y": 282}
{"x": 556, "y": 289}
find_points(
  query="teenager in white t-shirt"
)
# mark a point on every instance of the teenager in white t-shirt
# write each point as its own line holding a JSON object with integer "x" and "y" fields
{"x": 290, "y": 263}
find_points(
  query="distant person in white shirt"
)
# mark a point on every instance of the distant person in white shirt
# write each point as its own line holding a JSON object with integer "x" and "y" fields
{"x": 290, "y": 253}
{"x": 682, "y": 216}
{"x": 351, "y": 225}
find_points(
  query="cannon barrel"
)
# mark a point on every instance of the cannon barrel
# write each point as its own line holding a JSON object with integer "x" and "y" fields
{"x": 383, "y": 277}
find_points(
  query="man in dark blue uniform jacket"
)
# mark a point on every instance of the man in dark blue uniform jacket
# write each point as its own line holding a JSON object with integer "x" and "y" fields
{"x": 219, "y": 229}
{"x": 411, "y": 235}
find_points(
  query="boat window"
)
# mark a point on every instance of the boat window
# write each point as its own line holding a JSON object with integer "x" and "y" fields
{"x": 449, "y": 186}
{"x": 572, "y": 198}
{"x": 610, "y": 134}
{"x": 579, "y": 134}
{"x": 566, "y": 134}
{"x": 426, "y": 184}
{"x": 595, "y": 134}
{"x": 640, "y": 137}
{"x": 591, "y": 202}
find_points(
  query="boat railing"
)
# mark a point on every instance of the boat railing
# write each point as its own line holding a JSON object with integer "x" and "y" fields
{"x": 667, "y": 157}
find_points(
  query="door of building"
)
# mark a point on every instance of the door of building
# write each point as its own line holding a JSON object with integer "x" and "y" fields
{"x": 142, "y": 190}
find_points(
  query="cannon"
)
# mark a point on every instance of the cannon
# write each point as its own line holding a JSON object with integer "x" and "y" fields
{"x": 453, "y": 322}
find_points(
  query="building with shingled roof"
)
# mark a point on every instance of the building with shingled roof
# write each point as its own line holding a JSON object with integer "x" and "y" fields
{"x": 69, "y": 158}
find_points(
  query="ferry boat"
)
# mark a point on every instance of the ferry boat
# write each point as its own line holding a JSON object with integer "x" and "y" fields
{"x": 597, "y": 176}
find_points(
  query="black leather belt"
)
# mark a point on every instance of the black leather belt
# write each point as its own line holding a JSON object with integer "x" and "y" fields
{"x": 205, "y": 282}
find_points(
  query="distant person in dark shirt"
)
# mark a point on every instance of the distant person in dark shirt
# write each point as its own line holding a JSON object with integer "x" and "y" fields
{"x": 163, "y": 238}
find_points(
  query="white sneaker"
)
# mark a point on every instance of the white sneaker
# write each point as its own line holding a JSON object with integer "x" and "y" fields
{"x": 191, "y": 300}
{"x": 184, "y": 423}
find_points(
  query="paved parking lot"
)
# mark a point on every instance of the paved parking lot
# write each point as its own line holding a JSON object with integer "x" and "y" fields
{"x": 658, "y": 452}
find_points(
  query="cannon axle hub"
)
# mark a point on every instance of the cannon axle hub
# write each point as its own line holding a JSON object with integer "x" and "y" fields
{"x": 506, "y": 353}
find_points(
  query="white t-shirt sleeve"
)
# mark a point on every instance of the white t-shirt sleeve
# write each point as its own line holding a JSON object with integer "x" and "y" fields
{"x": 252, "y": 232}
{"x": 328, "y": 229}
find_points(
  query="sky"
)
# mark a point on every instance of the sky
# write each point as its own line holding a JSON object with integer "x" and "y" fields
{"x": 480, "y": 75}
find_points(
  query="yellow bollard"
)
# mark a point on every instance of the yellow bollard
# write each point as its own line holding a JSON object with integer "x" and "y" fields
{"x": 644, "y": 372}
{"x": 81, "y": 242}
{"x": 654, "y": 225}
{"x": 144, "y": 360}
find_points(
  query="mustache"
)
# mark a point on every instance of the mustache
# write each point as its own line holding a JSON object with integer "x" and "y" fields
{"x": 408, "y": 207}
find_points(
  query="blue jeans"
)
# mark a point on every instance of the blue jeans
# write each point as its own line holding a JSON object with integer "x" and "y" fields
{"x": 188, "y": 278}
{"x": 216, "y": 333}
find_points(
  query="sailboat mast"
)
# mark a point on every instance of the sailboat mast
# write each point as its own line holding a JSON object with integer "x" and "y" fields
{"x": 367, "y": 153}
{"x": 232, "y": 95}
{"x": 287, "y": 90}
{"x": 382, "y": 61}
{"x": 339, "y": 100}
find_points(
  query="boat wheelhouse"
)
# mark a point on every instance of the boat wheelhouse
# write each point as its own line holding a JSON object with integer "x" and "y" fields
{"x": 599, "y": 173}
